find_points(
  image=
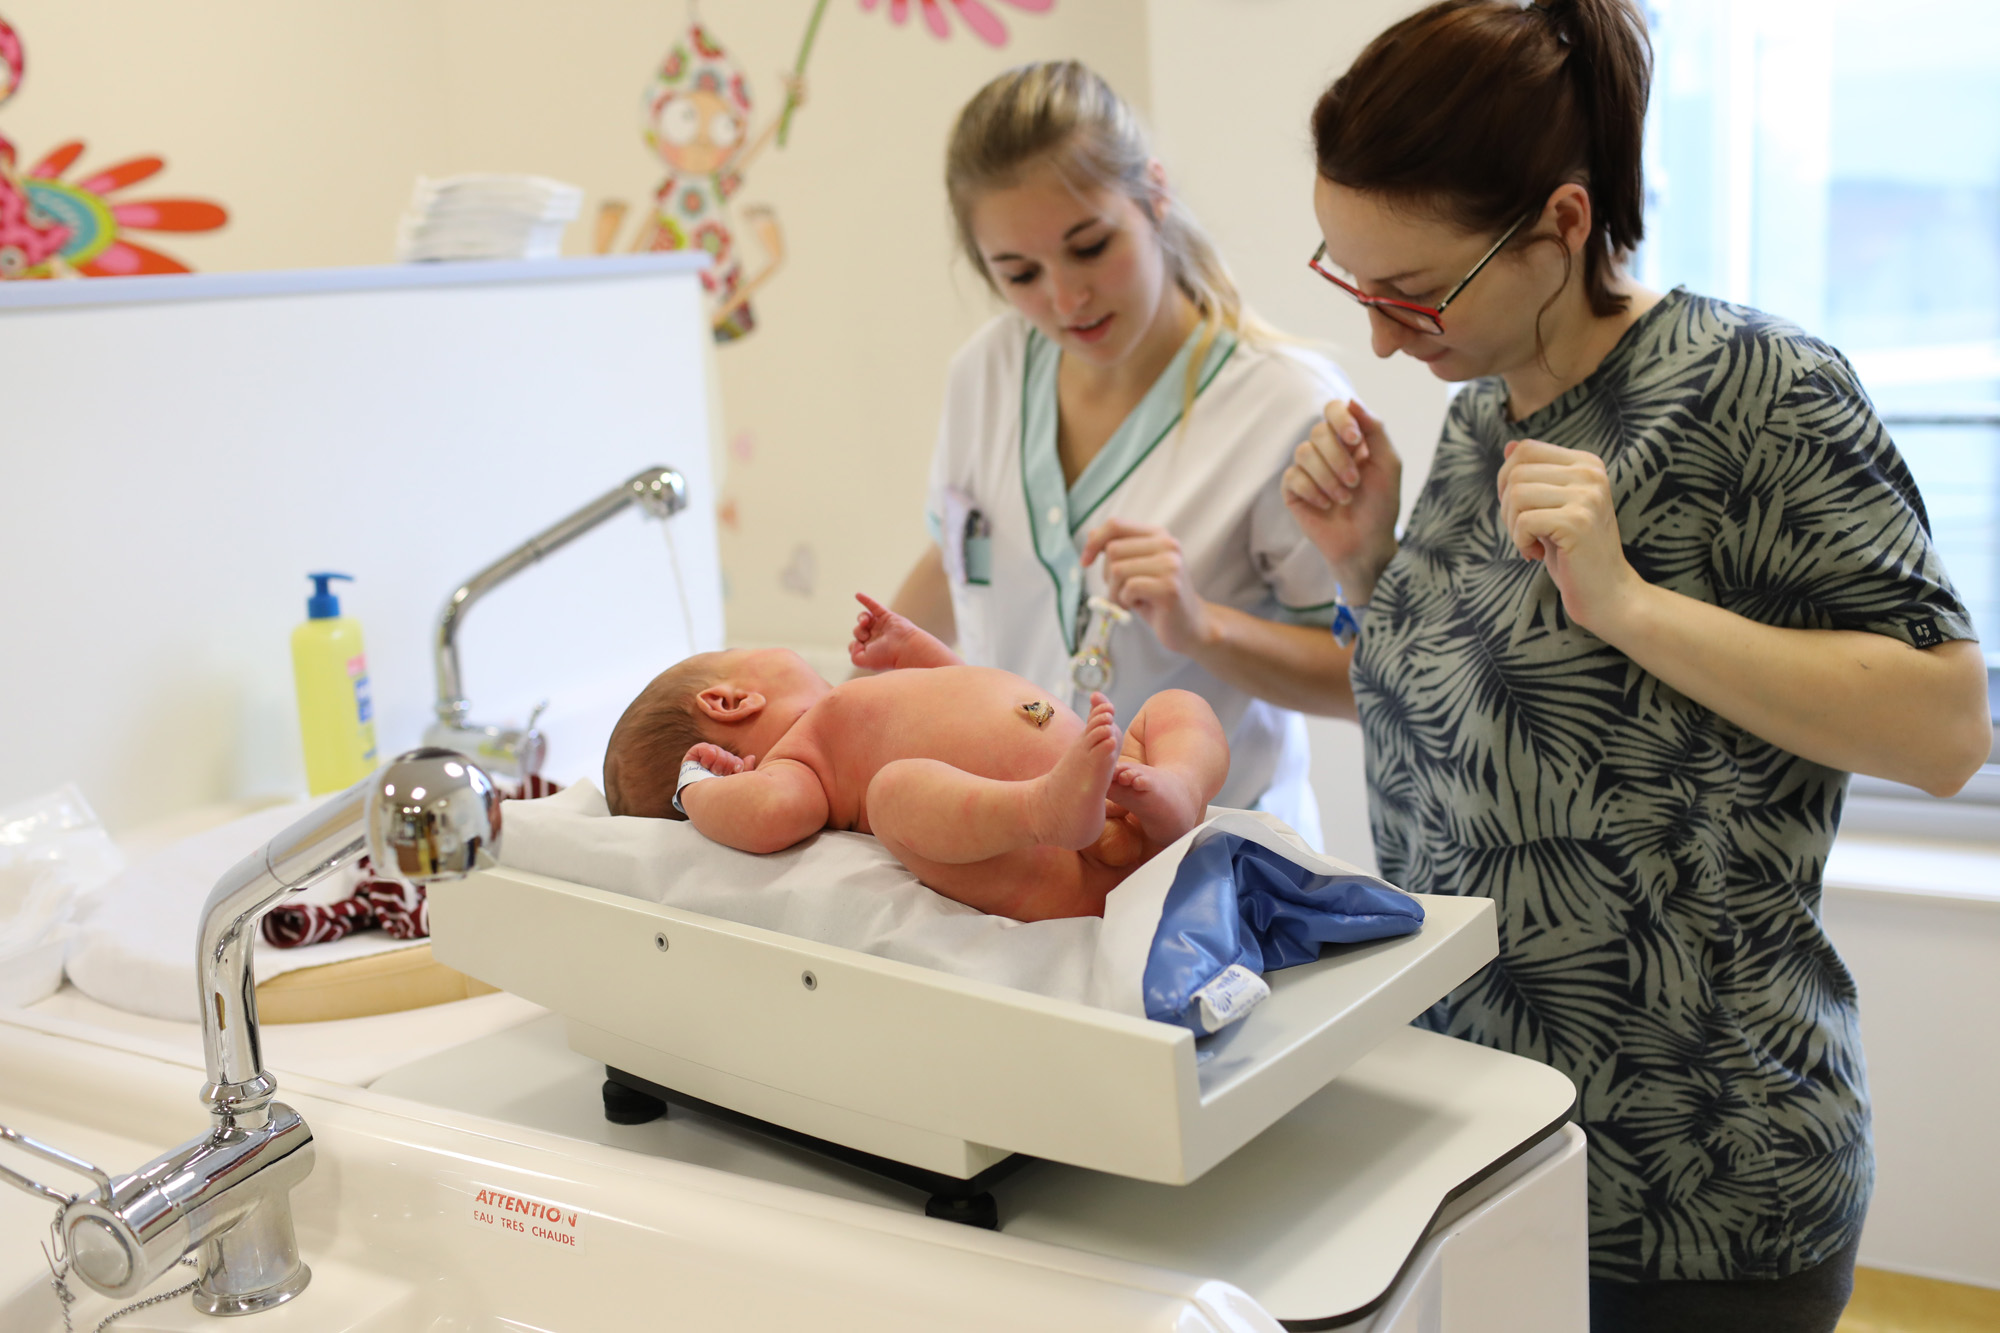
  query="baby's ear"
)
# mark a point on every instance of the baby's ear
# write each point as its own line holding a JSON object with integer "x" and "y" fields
{"x": 729, "y": 703}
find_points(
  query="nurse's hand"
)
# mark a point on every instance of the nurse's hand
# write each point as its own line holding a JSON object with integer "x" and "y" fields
{"x": 1145, "y": 572}
{"x": 1556, "y": 504}
{"x": 1343, "y": 489}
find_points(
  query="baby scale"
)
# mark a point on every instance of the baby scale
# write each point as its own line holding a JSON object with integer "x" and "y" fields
{"x": 1322, "y": 1114}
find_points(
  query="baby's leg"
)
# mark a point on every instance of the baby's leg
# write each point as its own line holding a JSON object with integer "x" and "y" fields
{"x": 1033, "y": 884}
{"x": 947, "y": 816}
{"x": 1174, "y": 762}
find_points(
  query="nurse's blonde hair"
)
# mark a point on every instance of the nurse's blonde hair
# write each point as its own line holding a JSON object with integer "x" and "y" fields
{"x": 1062, "y": 114}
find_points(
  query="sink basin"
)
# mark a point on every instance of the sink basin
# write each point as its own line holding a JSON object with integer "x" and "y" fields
{"x": 456, "y": 1222}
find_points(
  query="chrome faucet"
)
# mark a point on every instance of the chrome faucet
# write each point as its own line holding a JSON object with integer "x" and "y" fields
{"x": 518, "y": 751}
{"x": 428, "y": 815}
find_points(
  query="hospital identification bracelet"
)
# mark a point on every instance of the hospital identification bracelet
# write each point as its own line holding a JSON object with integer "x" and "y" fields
{"x": 691, "y": 773}
{"x": 1346, "y": 619}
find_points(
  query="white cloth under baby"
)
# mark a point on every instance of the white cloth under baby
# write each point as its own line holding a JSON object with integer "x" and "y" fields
{"x": 846, "y": 889}
{"x": 134, "y": 946}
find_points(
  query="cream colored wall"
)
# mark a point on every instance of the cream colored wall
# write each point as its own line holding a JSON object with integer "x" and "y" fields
{"x": 310, "y": 121}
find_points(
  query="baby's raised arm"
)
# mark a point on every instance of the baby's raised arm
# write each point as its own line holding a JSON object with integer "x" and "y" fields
{"x": 752, "y": 808}
{"x": 885, "y": 641}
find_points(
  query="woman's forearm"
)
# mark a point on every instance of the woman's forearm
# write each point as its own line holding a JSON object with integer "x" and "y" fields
{"x": 1293, "y": 666}
{"x": 1856, "y": 701}
{"x": 925, "y": 598}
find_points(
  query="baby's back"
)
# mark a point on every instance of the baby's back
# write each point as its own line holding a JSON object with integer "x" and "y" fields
{"x": 983, "y": 720}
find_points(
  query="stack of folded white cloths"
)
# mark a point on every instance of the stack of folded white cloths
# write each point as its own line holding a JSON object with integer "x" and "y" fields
{"x": 487, "y": 217}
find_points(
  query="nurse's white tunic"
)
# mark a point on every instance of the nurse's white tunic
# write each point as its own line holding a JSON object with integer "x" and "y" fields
{"x": 1011, "y": 531}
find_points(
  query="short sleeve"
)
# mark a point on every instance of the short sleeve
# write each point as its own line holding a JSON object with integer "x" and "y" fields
{"x": 959, "y": 422}
{"x": 1300, "y": 580}
{"x": 943, "y": 468}
{"x": 1827, "y": 530}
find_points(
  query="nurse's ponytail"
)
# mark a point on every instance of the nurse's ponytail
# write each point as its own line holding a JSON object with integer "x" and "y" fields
{"x": 1476, "y": 110}
{"x": 1062, "y": 114}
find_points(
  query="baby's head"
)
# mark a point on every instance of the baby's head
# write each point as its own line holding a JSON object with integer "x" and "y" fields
{"x": 643, "y": 760}
{"x": 742, "y": 701}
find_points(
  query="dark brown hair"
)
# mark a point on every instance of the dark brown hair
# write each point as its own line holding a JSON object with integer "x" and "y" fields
{"x": 1475, "y": 111}
{"x": 642, "y": 762}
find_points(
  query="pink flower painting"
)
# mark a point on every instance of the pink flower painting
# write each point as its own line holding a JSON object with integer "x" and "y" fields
{"x": 985, "y": 24}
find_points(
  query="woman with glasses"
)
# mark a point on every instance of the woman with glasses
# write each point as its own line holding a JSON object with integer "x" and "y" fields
{"x": 1104, "y": 493}
{"x": 1667, "y": 584}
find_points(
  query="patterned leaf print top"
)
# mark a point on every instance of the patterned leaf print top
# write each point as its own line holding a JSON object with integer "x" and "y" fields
{"x": 1656, "y": 868}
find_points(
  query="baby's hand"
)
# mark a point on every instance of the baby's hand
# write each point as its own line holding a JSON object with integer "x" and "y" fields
{"x": 880, "y": 635}
{"x": 719, "y": 761}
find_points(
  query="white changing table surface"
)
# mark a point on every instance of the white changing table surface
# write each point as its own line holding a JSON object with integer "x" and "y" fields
{"x": 1316, "y": 1218}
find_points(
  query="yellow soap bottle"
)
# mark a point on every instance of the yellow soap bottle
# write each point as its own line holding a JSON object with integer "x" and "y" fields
{"x": 336, "y": 714}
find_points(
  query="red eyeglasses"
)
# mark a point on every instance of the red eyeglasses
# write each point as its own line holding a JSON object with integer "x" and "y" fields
{"x": 1410, "y": 314}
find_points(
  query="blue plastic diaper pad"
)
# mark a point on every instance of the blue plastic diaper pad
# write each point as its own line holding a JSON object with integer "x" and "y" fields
{"x": 1238, "y": 909}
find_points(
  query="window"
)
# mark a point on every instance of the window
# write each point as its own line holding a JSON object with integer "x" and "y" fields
{"x": 1837, "y": 162}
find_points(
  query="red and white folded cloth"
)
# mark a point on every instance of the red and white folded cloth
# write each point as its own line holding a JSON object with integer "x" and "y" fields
{"x": 400, "y": 911}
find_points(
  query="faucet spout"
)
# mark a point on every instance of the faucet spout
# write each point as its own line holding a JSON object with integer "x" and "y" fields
{"x": 297, "y": 858}
{"x": 429, "y": 815}
{"x": 660, "y": 491}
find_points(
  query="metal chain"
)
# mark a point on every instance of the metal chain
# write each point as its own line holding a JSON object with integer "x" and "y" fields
{"x": 59, "y": 1272}
{"x": 136, "y": 1306}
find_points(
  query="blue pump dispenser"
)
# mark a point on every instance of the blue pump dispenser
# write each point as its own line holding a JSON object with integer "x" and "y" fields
{"x": 323, "y": 605}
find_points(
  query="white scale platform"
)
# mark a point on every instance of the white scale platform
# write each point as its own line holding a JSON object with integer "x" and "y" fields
{"x": 916, "y": 1065}
{"x": 1328, "y": 1219}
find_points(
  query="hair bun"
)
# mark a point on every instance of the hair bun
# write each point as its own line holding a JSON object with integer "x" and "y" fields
{"x": 1555, "y": 11}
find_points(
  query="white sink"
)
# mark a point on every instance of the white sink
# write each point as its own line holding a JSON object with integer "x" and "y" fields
{"x": 454, "y": 1222}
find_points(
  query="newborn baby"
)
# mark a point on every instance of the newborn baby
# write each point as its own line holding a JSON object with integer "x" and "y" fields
{"x": 988, "y": 790}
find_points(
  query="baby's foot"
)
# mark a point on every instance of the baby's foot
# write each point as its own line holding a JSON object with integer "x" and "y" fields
{"x": 1122, "y": 843}
{"x": 1070, "y": 799}
{"x": 1167, "y": 803}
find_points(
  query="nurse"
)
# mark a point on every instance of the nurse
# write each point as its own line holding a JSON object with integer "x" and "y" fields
{"x": 1104, "y": 493}
{"x": 1667, "y": 584}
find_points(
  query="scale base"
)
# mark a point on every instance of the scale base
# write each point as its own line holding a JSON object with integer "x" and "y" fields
{"x": 631, "y": 1100}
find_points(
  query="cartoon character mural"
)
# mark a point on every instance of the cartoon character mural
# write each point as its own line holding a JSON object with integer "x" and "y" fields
{"x": 697, "y": 114}
{"x": 697, "y": 119}
{"x": 51, "y": 227}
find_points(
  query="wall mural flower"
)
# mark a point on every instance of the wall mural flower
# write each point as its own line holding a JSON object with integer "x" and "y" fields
{"x": 99, "y": 243}
{"x": 51, "y": 227}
